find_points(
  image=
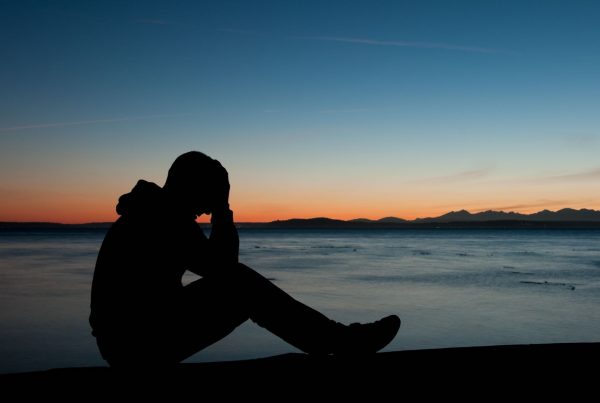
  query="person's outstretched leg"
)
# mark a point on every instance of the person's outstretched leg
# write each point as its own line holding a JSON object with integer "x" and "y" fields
{"x": 300, "y": 325}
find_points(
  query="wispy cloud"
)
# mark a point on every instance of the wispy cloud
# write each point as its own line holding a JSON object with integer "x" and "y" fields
{"x": 87, "y": 122}
{"x": 154, "y": 22}
{"x": 350, "y": 110}
{"x": 524, "y": 206}
{"x": 237, "y": 31}
{"x": 319, "y": 111}
{"x": 463, "y": 176}
{"x": 591, "y": 174}
{"x": 407, "y": 44}
{"x": 581, "y": 140}
{"x": 534, "y": 205}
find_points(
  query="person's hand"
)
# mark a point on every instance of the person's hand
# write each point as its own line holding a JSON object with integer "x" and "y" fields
{"x": 220, "y": 189}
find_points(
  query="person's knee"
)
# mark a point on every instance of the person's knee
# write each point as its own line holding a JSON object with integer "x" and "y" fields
{"x": 239, "y": 286}
{"x": 247, "y": 275}
{"x": 238, "y": 277}
{"x": 243, "y": 270}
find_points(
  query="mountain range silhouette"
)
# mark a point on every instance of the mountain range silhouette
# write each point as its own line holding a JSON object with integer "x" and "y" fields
{"x": 564, "y": 218}
{"x": 566, "y": 214}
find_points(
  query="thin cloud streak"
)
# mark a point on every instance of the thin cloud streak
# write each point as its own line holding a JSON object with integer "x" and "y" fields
{"x": 542, "y": 203}
{"x": 238, "y": 31}
{"x": 87, "y": 122}
{"x": 592, "y": 174}
{"x": 153, "y": 22}
{"x": 470, "y": 175}
{"x": 355, "y": 110}
{"x": 549, "y": 204}
{"x": 408, "y": 44}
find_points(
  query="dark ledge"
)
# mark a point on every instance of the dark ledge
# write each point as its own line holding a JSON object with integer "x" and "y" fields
{"x": 514, "y": 367}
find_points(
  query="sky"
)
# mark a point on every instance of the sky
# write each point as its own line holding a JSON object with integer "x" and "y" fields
{"x": 342, "y": 109}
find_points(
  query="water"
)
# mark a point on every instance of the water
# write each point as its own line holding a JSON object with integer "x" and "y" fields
{"x": 450, "y": 287}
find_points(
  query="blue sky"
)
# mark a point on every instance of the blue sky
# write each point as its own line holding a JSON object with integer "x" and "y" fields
{"x": 354, "y": 108}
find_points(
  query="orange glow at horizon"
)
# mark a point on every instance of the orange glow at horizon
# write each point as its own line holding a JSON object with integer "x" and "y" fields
{"x": 265, "y": 204}
{"x": 73, "y": 211}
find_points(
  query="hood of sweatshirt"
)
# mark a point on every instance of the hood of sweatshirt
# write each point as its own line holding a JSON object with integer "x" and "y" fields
{"x": 146, "y": 198}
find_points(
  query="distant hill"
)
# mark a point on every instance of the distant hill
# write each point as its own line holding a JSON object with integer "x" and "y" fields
{"x": 318, "y": 222}
{"x": 384, "y": 219}
{"x": 360, "y": 220}
{"x": 392, "y": 220}
{"x": 567, "y": 214}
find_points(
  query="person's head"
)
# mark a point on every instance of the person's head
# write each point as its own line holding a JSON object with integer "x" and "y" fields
{"x": 197, "y": 182}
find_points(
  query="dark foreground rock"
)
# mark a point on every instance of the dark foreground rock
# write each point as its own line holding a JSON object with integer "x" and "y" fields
{"x": 548, "y": 369}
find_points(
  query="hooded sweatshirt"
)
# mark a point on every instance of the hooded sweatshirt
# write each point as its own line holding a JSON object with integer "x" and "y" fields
{"x": 137, "y": 279}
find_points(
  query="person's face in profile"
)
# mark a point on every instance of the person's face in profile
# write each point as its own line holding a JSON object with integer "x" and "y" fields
{"x": 201, "y": 189}
{"x": 203, "y": 196}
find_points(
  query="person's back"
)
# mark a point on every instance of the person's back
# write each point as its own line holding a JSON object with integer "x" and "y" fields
{"x": 142, "y": 314}
{"x": 140, "y": 266}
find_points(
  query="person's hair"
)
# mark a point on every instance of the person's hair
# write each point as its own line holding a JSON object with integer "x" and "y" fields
{"x": 188, "y": 167}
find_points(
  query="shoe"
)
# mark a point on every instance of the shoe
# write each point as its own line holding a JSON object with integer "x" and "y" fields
{"x": 368, "y": 338}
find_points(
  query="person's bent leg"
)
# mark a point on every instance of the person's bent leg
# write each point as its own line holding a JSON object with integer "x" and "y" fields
{"x": 300, "y": 325}
{"x": 205, "y": 314}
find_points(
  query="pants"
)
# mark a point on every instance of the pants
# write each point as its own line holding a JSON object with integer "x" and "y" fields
{"x": 212, "y": 307}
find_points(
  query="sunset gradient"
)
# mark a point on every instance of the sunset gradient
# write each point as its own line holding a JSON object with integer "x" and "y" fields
{"x": 343, "y": 109}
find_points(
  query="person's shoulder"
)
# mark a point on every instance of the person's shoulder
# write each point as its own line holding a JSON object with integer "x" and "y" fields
{"x": 134, "y": 226}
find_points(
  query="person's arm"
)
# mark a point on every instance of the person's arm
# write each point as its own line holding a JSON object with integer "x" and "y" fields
{"x": 224, "y": 242}
{"x": 208, "y": 256}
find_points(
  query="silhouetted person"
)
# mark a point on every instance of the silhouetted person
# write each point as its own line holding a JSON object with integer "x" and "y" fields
{"x": 141, "y": 314}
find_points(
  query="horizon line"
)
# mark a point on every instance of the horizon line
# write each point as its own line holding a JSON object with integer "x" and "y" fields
{"x": 478, "y": 211}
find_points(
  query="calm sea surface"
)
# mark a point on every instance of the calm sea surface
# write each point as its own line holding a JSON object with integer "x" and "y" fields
{"x": 450, "y": 287}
